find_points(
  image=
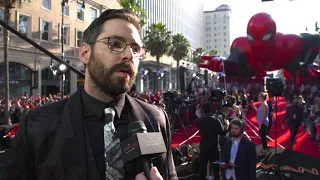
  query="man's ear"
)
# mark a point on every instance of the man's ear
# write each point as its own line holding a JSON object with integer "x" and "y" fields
{"x": 84, "y": 53}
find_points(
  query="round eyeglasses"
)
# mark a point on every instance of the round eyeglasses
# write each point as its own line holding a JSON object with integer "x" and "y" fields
{"x": 116, "y": 45}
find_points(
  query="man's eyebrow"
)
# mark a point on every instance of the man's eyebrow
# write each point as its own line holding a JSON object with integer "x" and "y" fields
{"x": 124, "y": 40}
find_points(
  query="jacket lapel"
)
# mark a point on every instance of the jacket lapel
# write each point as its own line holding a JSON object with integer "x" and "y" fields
{"x": 138, "y": 114}
{"x": 73, "y": 155}
{"x": 239, "y": 149}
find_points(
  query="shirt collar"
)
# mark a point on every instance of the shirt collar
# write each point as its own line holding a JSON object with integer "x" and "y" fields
{"x": 97, "y": 107}
{"x": 237, "y": 142}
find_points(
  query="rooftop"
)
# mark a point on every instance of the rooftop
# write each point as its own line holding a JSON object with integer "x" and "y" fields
{"x": 223, "y": 7}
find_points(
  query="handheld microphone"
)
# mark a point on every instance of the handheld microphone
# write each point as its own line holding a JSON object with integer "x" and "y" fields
{"x": 141, "y": 144}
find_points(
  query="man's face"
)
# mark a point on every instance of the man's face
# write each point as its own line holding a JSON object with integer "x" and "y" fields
{"x": 235, "y": 131}
{"x": 114, "y": 72}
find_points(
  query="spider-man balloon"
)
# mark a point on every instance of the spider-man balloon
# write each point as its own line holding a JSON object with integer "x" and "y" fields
{"x": 264, "y": 49}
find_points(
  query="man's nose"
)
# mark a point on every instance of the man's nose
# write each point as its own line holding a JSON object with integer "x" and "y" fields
{"x": 127, "y": 54}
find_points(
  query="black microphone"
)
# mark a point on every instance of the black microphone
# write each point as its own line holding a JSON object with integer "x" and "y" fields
{"x": 142, "y": 145}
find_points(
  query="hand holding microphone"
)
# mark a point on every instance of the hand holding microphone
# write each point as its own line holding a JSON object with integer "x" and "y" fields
{"x": 142, "y": 145}
{"x": 154, "y": 175}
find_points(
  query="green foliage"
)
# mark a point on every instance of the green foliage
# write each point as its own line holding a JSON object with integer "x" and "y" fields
{"x": 180, "y": 47}
{"x": 134, "y": 6}
{"x": 214, "y": 52}
{"x": 158, "y": 40}
{"x": 9, "y": 4}
{"x": 197, "y": 55}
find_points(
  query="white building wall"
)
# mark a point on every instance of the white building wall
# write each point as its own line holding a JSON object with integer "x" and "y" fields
{"x": 218, "y": 31}
{"x": 179, "y": 16}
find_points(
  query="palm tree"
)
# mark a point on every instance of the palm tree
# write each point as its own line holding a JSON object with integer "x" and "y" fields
{"x": 134, "y": 6}
{"x": 179, "y": 50}
{"x": 7, "y": 5}
{"x": 158, "y": 42}
{"x": 196, "y": 55}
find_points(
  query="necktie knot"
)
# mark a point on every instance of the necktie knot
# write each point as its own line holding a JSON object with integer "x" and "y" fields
{"x": 110, "y": 110}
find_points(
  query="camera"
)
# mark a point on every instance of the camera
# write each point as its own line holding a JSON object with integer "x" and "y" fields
{"x": 275, "y": 87}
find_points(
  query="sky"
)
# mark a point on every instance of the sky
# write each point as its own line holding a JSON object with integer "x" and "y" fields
{"x": 290, "y": 16}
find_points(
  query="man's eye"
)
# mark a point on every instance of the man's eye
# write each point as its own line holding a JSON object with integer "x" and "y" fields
{"x": 115, "y": 44}
{"x": 136, "y": 49}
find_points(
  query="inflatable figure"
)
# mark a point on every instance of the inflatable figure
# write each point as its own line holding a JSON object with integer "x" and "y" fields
{"x": 264, "y": 49}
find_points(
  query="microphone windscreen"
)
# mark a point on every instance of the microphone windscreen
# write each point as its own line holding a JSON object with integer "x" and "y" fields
{"x": 136, "y": 127}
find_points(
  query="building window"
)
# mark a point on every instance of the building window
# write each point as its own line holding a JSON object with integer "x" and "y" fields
{"x": 80, "y": 12}
{"x": 224, "y": 33}
{"x": 46, "y": 4}
{"x": 66, "y": 35}
{"x": 215, "y": 22}
{"x": 215, "y": 40}
{"x": 20, "y": 78}
{"x": 66, "y": 10}
{"x": 215, "y": 47}
{"x": 94, "y": 14}
{"x": 44, "y": 30}
{"x": 224, "y": 39}
{"x": 224, "y": 27}
{"x": 24, "y": 26}
{"x": 79, "y": 38}
{"x": 225, "y": 46}
{"x": 215, "y": 34}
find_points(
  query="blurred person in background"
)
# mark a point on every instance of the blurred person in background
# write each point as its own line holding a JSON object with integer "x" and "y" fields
{"x": 263, "y": 120}
{"x": 210, "y": 128}
{"x": 293, "y": 118}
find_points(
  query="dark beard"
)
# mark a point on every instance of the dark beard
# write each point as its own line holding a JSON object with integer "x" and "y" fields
{"x": 236, "y": 135}
{"x": 105, "y": 79}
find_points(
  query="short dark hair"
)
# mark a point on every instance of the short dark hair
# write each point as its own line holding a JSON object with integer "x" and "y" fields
{"x": 238, "y": 122}
{"x": 206, "y": 107}
{"x": 91, "y": 34}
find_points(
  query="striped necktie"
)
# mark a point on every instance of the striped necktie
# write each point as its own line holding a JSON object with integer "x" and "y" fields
{"x": 112, "y": 153}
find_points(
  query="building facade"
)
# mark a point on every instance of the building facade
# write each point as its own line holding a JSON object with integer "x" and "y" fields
{"x": 218, "y": 30}
{"x": 41, "y": 21}
{"x": 179, "y": 16}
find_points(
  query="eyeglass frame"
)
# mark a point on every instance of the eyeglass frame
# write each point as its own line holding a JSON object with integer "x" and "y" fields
{"x": 120, "y": 39}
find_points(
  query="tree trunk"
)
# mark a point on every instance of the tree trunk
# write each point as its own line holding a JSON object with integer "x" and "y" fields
{"x": 6, "y": 66}
{"x": 157, "y": 80}
{"x": 178, "y": 74}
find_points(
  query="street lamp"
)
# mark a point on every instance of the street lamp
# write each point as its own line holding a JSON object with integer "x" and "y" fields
{"x": 64, "y": 3}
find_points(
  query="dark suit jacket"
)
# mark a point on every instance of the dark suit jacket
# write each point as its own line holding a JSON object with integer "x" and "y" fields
{"x": 245, "y": 159}
{"x": 290, "y": 110}
{"x": 51, "y": 144}
{"x": 210, "y": 128}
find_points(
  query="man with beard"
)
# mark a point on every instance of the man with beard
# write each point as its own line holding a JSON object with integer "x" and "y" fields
{"x": 79, "y": 137}
{"x": 240, "y": 155}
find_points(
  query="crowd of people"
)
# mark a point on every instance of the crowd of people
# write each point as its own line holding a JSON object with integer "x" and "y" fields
{"x": 24, "y": 101}
{"x": 303, "y": 110}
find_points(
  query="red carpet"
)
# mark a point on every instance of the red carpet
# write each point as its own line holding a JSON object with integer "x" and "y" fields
{"x": 302, "y": 143}
{"x": 180, "y": 137}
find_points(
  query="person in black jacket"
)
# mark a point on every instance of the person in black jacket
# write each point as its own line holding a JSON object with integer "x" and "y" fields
{"x": 69, "y": 139}
{"x": 210, "y": 128}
